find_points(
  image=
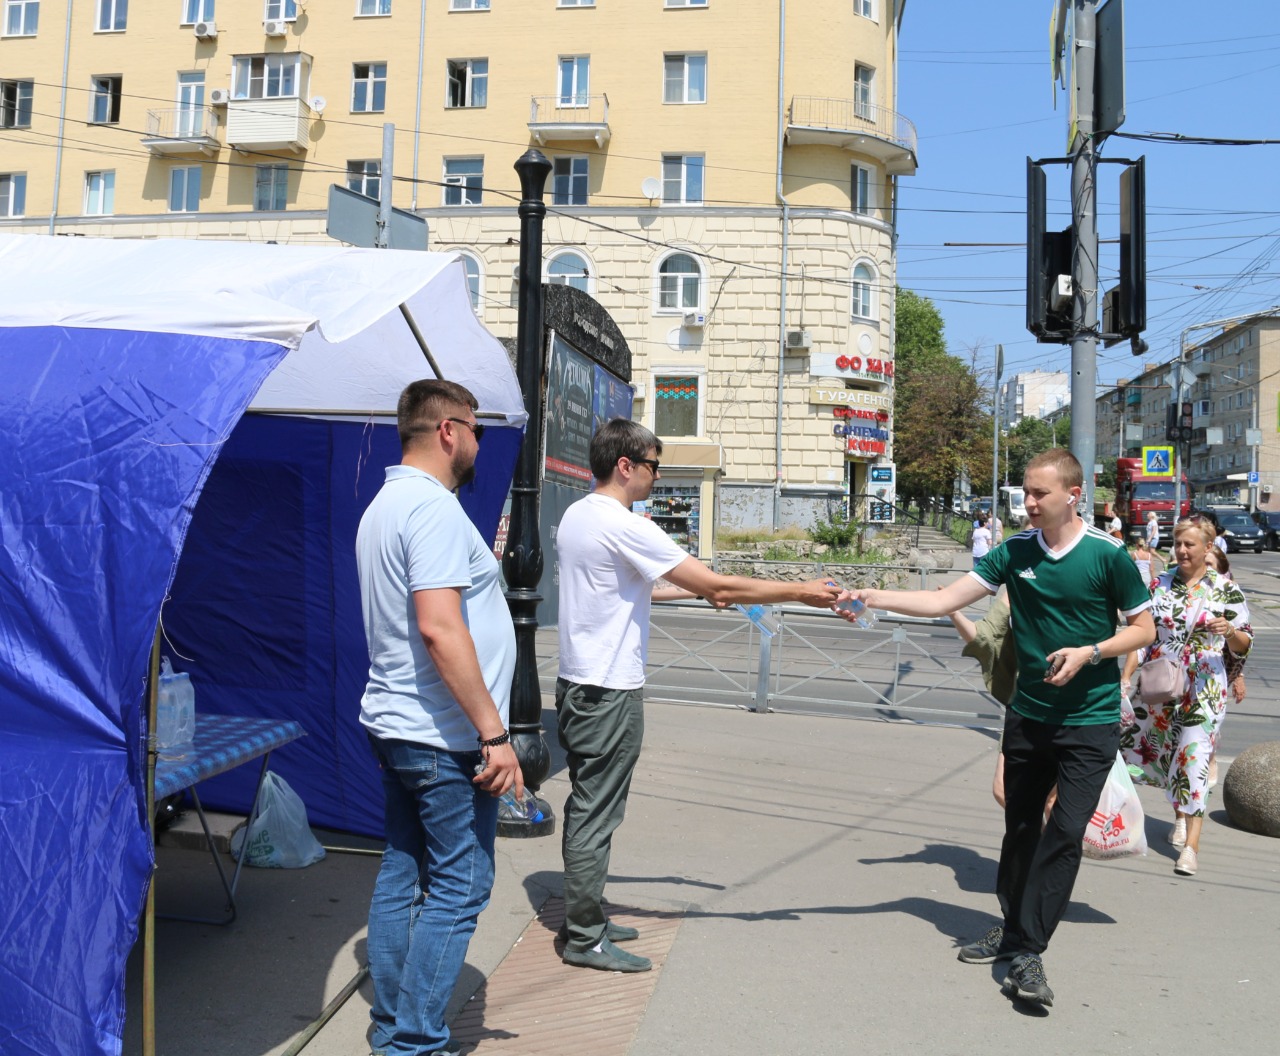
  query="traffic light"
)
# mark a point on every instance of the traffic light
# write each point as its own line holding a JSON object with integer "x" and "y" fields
{"x": 1185, "y": 422}
{"x": 1131, "y": 311}
{"x": 1172, "y": 427}
{"x": 1049, "y": 255}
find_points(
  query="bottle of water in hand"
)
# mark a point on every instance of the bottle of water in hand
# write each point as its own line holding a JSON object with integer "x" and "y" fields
{"x": 525, "y": 808}
{"x": 864, "y": 618}
{"x": 757, "y": 615}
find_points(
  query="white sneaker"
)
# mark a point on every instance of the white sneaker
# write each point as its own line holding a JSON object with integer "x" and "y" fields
{"x": 1188, "y": 862}
{"x": 1178, "y": 834}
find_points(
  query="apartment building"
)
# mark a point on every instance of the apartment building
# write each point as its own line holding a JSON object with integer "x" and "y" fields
{"x": 1033, "y": 394}
{"x": 1235, "y": 402}
{"x": 724, "y": 181}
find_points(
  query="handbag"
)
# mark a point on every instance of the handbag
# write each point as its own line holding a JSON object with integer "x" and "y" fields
{"x": 1161, "y": 680}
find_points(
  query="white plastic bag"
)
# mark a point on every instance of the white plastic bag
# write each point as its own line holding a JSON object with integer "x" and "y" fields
{"x": 1117, "y": 828}
{"x": 277, "y": 836}
{"x": 175, "y": 709}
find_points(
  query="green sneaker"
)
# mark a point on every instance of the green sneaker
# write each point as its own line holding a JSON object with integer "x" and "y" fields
{"x": 606, "y": 957}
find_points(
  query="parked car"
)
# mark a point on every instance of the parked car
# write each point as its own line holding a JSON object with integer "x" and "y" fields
{"x": 1269, "y": 522}
{"x": 1239, "y": 530}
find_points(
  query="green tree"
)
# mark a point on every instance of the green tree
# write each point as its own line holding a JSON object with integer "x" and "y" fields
{"x": 1028, "y": 438}
{"x": 940, "y": 422}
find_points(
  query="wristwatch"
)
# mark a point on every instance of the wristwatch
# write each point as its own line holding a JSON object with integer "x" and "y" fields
{"x": 1097, "y": 655}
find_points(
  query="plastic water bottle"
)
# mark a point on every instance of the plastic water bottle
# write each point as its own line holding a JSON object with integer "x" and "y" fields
{"x": 757, "y": 615}
{"x": 175, "y": 709}
{"x": 526, "y": 808}
{"x": 864, "y": 618}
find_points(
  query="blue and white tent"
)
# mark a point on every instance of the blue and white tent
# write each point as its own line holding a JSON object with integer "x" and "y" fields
{"x": 131, "y": 473}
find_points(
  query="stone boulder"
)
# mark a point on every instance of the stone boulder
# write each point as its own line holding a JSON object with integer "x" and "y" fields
{"x": 1251, "y": 791}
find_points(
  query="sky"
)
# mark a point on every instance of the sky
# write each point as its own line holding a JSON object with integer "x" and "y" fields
{"x": 975, "y": 81}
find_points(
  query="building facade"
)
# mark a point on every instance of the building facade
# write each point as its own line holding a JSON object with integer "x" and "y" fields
{"x": 1033, "y": 394}
{"x": 724, "y": 181}
{"x": 1235, "y": 402}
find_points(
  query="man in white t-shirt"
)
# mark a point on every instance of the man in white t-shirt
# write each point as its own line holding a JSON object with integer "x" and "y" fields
{"x": 441, "y": 655}
{"x": 981, "y": 539}
{"x": 609, "y": 560}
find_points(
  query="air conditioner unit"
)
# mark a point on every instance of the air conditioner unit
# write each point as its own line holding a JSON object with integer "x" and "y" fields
{"x": 799, "y": 339}
{"x": 695, "y": 320}
{"x": 205, "y": 30}
{"x": 276, "y": 28}
{"x": 220, "y": 96}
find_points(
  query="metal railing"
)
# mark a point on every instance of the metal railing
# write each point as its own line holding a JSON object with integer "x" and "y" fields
{"x": 853, "y": 115}
{"x": 569, "y": 109}
{"x": 182, "y": 123}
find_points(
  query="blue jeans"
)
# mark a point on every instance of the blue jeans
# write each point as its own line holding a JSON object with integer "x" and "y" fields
{"x": 436, "y": 875}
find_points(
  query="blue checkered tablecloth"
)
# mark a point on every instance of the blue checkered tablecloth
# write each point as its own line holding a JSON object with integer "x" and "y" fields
{"x": 222, "y": 742}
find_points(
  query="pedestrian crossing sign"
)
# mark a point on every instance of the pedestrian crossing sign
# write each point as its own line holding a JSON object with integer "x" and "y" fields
{"x": 1157, "y": 461}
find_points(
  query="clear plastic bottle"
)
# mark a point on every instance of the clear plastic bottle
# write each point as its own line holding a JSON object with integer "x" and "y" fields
{"x": 864, "y": 618}
{"x": 526, "y": 808}
{"x": 757, "y": 615}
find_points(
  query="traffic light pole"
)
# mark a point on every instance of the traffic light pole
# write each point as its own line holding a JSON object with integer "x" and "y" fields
{"x": 1084, "y": 263}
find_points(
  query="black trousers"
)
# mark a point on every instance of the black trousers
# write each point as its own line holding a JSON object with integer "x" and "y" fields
{"x": 1038, "y": 869}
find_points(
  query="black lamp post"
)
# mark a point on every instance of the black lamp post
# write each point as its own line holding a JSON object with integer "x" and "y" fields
{"x": 522, "y": 559}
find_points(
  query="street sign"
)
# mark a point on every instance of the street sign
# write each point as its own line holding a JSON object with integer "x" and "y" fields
{"x": 1255, "y": 477}
{"x": 353, "y": 218}
{"x": 1157, "y": 461}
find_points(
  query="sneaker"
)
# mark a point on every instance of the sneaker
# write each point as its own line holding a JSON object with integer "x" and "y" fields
{"x": 1026, "y": 980}
{"x": 613, "y": 932}
{"x": 1188, "y": 862}
{"x": 607, "y": 958}
{"x": 984, "y": 950}
{"x": 1178, "y": 834}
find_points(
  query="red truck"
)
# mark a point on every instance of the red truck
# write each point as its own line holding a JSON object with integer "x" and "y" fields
{"x": 1136, "y": 495}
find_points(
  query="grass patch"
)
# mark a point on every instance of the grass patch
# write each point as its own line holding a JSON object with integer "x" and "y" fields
{"x": 740, "y": 539}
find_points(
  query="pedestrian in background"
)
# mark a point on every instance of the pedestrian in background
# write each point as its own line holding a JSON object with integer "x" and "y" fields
{"x": 1153, "y": 531}
{"x": 609, "y": 561}
{"x": 1066, "y": 582}
{"x": 981, "y": 542}
{"x": 441, "y": 656}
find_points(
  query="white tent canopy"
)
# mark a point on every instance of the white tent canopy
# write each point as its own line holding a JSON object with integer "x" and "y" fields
{"x": 338, "y": 310}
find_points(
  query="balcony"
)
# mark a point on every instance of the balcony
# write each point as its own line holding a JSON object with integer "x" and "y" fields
{"x": 269, "y": 124}
{"x": 566, "y": 118}
{"x": 184, "y": 130}
{"x": 852, "y": 125}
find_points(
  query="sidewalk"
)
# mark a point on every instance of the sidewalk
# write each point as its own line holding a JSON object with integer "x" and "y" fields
{"x": 823, "y": 870}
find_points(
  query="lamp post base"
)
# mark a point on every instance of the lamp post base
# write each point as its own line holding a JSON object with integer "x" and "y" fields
{"x": 513, "y": 827}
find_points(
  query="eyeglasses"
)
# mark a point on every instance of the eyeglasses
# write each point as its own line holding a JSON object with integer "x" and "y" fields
{"x": 476, "y": 428}
{"x": 652, "y": 463}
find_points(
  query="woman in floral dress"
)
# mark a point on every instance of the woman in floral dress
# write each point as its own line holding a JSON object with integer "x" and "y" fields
{"x": 1199, "y": 614}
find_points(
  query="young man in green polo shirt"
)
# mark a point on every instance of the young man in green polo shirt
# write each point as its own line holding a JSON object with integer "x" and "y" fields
{"x": 1067, "y": 581}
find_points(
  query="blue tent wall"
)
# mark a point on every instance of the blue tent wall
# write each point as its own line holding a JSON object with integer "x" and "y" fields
{"x": 108, "y": 437}
{"x": 265, "y": 607}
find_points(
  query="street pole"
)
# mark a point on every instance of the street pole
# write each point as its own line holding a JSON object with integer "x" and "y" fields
{"x": 522, "y": 559}
{"x": 995, "y": 431}
{"x": 384, "y": 186}
{"x": 1084, "y": 266}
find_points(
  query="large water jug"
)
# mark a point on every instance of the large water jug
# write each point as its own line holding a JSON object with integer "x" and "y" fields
{"x": 175, "y": 709}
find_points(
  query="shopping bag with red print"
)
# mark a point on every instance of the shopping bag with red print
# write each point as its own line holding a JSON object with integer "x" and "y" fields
{"x": 1116, "y": 829}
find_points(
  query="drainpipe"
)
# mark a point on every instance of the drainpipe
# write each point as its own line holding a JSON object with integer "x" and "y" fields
{"x": 62, "y": 120}
{"x": 417, "y": 106}
{"x": 782, "y": 283}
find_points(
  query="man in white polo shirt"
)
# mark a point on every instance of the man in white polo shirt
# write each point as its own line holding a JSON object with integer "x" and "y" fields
{"x": 441, "y": 656}
{"x": 609, "y": 561}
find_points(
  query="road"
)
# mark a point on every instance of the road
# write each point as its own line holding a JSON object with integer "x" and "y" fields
{"x": 899, "y": 671}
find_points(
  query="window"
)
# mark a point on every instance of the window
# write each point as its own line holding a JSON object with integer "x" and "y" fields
{"x": 194, "y": 11}
{"x": 268, "y": 76}
{"x": 190, "y": 116}
{"x": 682, "y": 179}
{"x": 368, "y": 87}
{"x": 365, "y": 177}
{"x": 864, "y": 95}
{"x": 569, "y": 181}
{"x": 575, "y": 80}
{"x": 865, "y": 8}
{"x": 570, "y": 269}
{"x": 21, "y": 18}
{"x": 464, "y": 180}
{"x": 468, "y": 83}
{"x": 104, "y": 100}
{"x": 184, "y": 189}
{"x": 270, "y": 188}
{"x": 468, "y": 5}
{"x": 275, "y": 11}
{"x": 685, "y": 3}
{"x": 679, "y": 283}
{"x": 684, "y": 79}
{"x": 675, "y": 405}
{"x": 373, "y": 7}
{"x": 99, "y": 193}
{"x": 112, "y": 15}
{"x": 15, "y": 103}
{"x": 474, "y": 280}
{"x": 860, "y": 189}
{"x": 864, "y": 292}
{"x": 13, "y": 194}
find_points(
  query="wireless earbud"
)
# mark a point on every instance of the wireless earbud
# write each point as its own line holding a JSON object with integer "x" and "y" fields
{"x": 1071, "y": 501}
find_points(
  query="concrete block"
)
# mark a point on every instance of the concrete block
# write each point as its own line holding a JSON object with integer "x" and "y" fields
{"x": 186, "y": 832}
{"x": 1251, "y": 790}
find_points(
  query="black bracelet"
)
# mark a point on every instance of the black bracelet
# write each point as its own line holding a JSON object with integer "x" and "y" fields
{"x": 493, "y": 742}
